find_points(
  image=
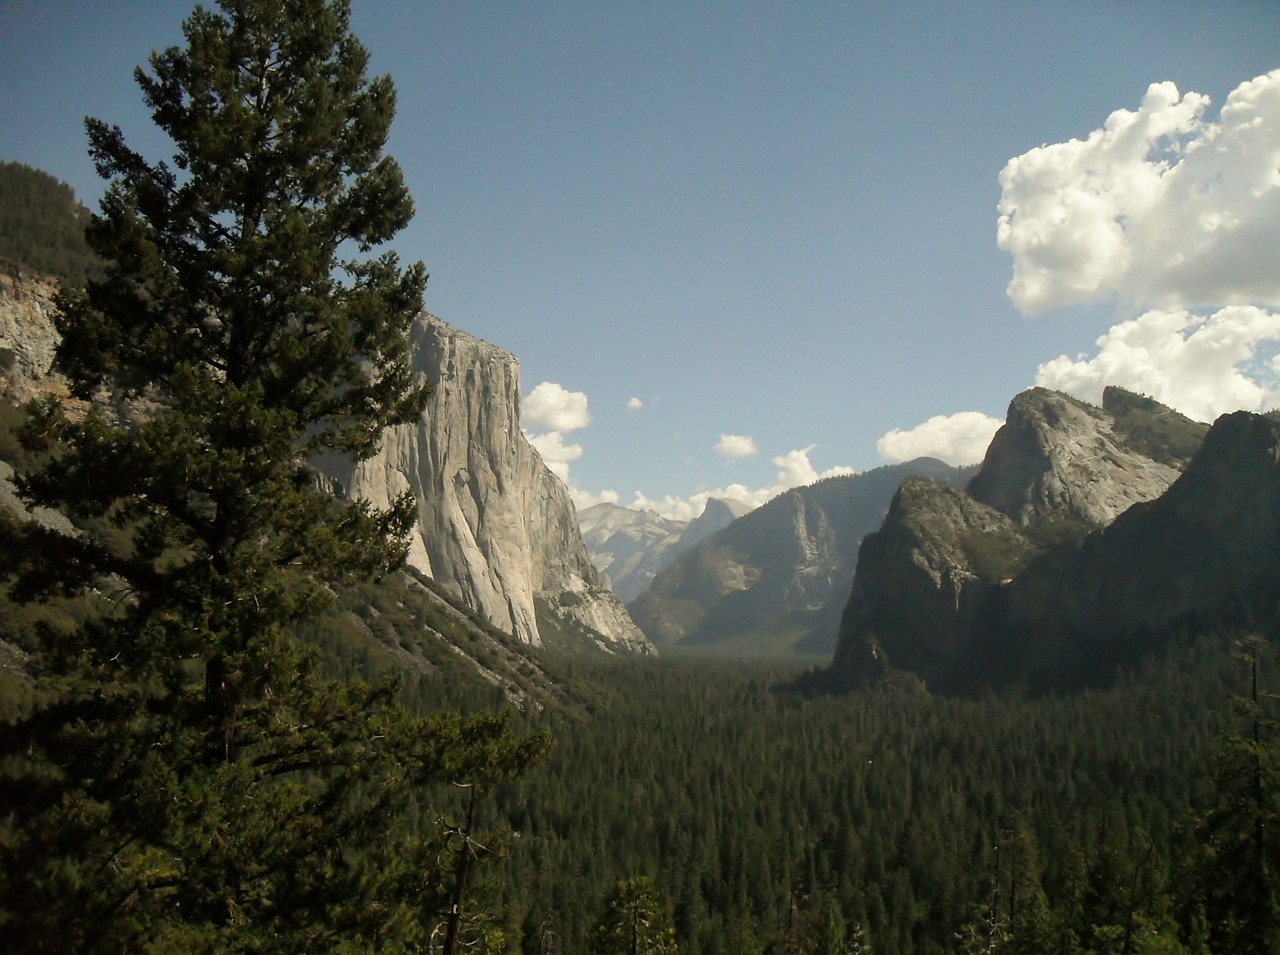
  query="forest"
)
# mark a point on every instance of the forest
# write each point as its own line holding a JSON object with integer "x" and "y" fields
{"x": 42, "y": 225}
{"x": 230, "y": 721}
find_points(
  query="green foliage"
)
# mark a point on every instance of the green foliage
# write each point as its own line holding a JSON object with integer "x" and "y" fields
{"x": 187, "y": 776}
{"x": 761, "y": 814}
{"x": 42, "y": 226}
{"x": 1236, "y": 873}
{"x": 635, "y": 922}
{"x": 1154, "y": 430}
{"x": 997, "y": 556}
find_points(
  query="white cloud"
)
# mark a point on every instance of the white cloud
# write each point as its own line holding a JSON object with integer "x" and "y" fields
{"x": 584, "y": 499}
{"x": 957, "y": 439}
{"x": 795, "y": 470}
{"x": 1200, "y": 366}
{"x": 736, "y": 446}
{"x": 634, "y": 404}
{"x": 1159, "y": 207}
{"x": 551, "y": 406}
{"x": 555, "y": 453}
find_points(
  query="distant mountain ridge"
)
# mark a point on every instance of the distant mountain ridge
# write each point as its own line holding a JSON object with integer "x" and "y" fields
{"x": 630, "y": 546}
{"x": 776, "y": 579}
{"x": 1089, "y": 538}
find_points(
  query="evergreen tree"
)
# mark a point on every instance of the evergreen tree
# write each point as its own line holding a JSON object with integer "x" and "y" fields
{"x": 1235, "y": 886}
{"x": 636, "y": 921}
{"x": 190, "y": 781}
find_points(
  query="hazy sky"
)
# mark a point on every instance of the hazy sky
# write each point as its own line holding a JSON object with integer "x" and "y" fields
{"x": 740, "y": 245}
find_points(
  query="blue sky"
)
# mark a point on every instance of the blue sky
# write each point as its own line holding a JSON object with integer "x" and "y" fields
{"x": 756, "y": 242}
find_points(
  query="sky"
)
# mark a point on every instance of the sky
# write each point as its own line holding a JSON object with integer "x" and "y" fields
{"x": 739, "y": 246}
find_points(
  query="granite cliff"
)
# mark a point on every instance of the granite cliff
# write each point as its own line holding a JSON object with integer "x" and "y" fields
{"x": 496, "y": 528}
{"x": 1087, "y": 538}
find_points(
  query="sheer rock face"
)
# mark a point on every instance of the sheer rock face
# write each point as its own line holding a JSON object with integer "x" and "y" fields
{"x": 495, "y": 526}
{"x": 1206, "y": 553}
{"x": 1059, "y": 458}
{"x": 919, "y": 583}
{"x": 27, "y": 329}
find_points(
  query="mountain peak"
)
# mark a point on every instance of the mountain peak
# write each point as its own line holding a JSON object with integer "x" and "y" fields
{"x": 1057, "y": 458}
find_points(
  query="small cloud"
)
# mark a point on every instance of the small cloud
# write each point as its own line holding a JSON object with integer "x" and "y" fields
{"x": 797, "y": 470}
{"x": 734, "y": 446}
{"x": 551, "y": 406}
{"x": 1201, "y": 366}
{"x": 555, "y": 453}
{"x": 634, "y": 404}
{"x": 957, "y": 439}
{"x": 584, "y": 499}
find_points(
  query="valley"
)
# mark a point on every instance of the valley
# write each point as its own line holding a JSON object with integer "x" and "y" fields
{"x": 1012, "y": 707}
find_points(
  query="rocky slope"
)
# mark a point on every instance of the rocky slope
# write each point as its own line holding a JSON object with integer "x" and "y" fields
{"x": 495, "y": 527}
{"x": 631, "y": 546}
{"x": 777, "y": 578}
{"x": 1204, "y": 554}
{"x": 1038, "y": 571}
{"x": 28, "y": 337}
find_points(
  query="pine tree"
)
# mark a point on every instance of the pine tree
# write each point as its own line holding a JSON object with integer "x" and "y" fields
{"x": 190, "y": 781}
{"x": 636, "y": 921}
{"x": 1235, "y": 882}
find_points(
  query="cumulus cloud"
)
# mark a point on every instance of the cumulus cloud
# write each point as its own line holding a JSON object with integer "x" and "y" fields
{"x": 584, "y": 499}
{"x": 634, "y": 404}
{"x": 736, "y": 446}
{"x": 794, "y": 470}
{"x": 1159, "y": 207}
{"x": 551, "y": 406}
{"x": 1201, "y": 366}
{"x": 957, "y": 439}
{"x": 555, "y": 453}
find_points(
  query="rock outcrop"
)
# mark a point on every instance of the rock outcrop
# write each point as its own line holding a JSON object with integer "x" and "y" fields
{"x": 920, "y": 580}
{"x": 631, "y": 546}
{"x": 777, "y": 578}
{"x": 28, "y": 338}
{"x": 1040, "y": 571}
{"x": 1058, "y": 458}
{"x": 1204, "y": 554}
{"x": 495, "y": 527}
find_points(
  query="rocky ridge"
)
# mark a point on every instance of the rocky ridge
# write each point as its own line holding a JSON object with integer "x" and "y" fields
{"x": 1054, "y": 566}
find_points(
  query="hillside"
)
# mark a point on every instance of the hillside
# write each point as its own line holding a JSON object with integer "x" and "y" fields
{"x": 1090, "y": 538}
{"x": 774, "y": 580}
{"x": 42, "y": 226}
